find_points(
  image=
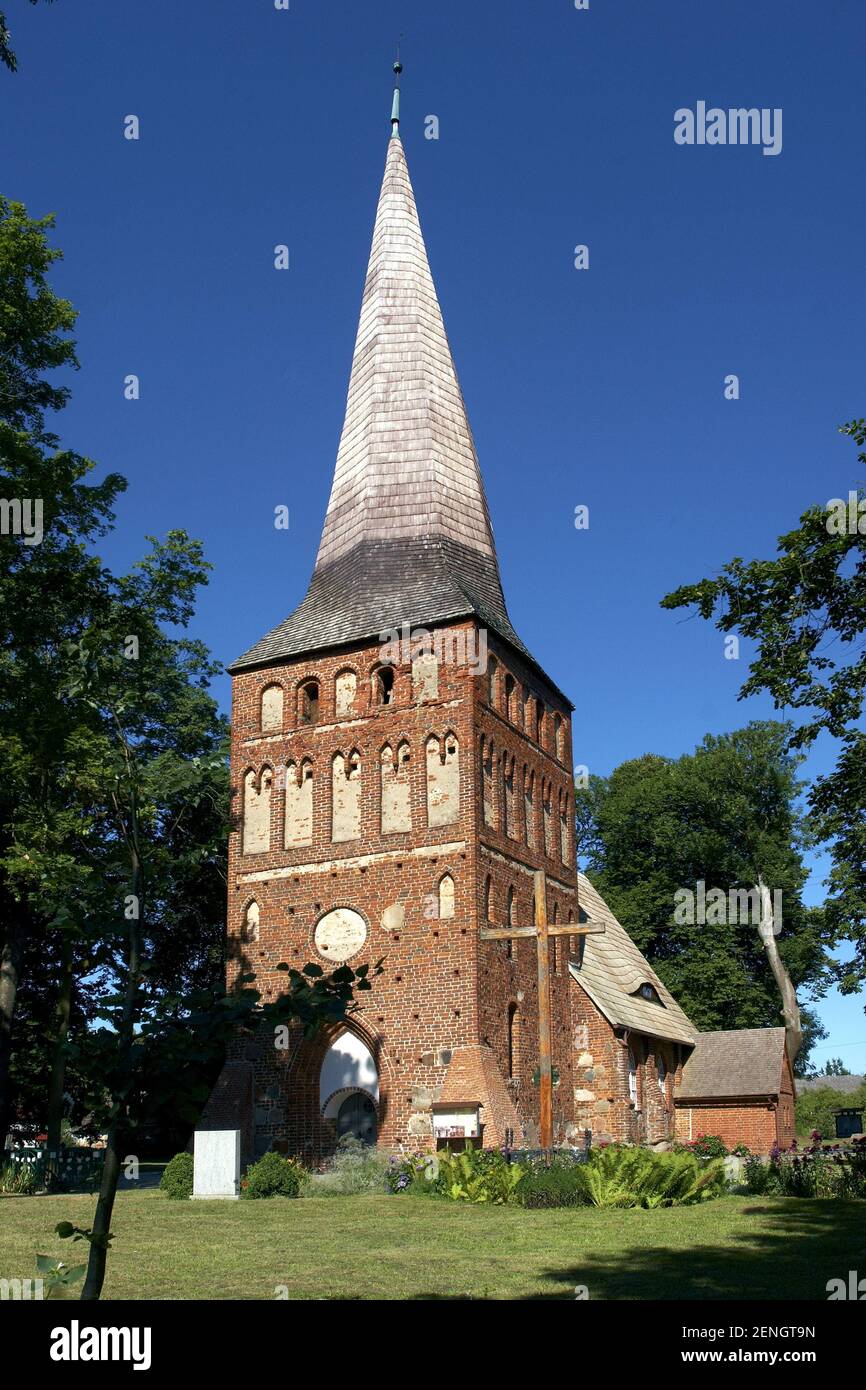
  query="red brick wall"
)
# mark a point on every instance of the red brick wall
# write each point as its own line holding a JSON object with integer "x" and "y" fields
{"x": 442, "y": 988}
{"x": 602, "y": 1098}
{"x": 736, "y": 1122}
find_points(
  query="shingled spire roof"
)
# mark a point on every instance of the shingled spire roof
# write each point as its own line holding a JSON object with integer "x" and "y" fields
{"x": 407, "y": 535}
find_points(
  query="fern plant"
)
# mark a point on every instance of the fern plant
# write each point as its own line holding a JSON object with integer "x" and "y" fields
{"x": 640, "y": 1178}
{"x": 476, "y": 1175}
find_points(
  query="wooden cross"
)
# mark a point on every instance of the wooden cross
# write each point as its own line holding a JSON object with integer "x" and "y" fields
{"x": 542, "y": 933}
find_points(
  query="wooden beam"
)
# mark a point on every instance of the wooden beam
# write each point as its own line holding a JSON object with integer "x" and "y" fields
{"x": 545, "y": 1073}
{"x": 519, "y": 933}
{"x": 585, "y": 929}
{"x": 506, "y": 933}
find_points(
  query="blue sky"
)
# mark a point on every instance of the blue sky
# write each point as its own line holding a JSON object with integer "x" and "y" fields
{"x": 602, "y": 387}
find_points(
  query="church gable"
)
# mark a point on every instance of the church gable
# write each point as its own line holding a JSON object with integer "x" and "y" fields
{"x": 620, "y": 980}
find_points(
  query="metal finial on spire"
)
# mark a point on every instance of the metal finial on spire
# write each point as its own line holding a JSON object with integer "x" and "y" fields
{"x": 395, "y": 105}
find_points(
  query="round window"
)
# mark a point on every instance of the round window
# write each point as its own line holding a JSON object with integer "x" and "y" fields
{"x": 340, "y": 934}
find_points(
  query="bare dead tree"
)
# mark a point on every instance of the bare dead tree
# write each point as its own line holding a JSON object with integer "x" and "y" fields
{"x": 767, "y": 929}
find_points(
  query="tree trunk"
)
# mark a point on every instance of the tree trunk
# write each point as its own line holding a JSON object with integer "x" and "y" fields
{"x": 98, "y": 1257}
{"x": 10, "y": 966}
{"x": 790, "y": 1007}
{"x": 97, "y": 1260}
{"x": 57, "y": 1079}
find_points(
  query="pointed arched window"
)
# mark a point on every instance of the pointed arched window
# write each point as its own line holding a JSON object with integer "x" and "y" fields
{"x": 633, "y": 1090}
{"x": 514, "y": 1041}
{"x": 382, "y": 685}
{"x": 345, "y": 689}
{"x": 446, "y": 896}
{"x": 272, "y": 708}
{"x": 512, "y": 919}
{"x": 308, "y": 702}
{"x": 250, "y": 927}
{"x": 492, "y": 681}
{"x": 257, "y": 811}
{"x": 511, "y": 698}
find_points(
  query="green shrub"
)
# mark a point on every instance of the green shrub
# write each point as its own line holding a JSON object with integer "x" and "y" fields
{"x": 762, "y": 1179}
{"x": 354, "y": 1170}
{"x": 273, "y": 1176}
{"x": 708, "y": 1146}
{"x": 477, "y": 1175}
{"x": 176, "y": 1181}
{"x": 641, "y": 1178}
{"x": 557, "y": 1185}
{"x": 19, "y": 1178}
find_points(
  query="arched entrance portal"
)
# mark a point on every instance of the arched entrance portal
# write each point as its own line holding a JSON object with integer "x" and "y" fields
{"x": 357, "y": 1116}
{"x": 349, "y": 1088}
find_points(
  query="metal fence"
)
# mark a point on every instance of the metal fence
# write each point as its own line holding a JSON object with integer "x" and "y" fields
{"x": 559, "y": 1155}
{"x": 60, "y": 1170}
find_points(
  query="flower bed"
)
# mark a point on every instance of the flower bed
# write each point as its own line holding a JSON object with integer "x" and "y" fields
{"x": 611, "y": 1177}
{"x": 816, "y": 1171}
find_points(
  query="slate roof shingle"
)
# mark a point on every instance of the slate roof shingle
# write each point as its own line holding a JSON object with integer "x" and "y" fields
{"x": 612, "y": 969}
{"x": 737, "y": 1062}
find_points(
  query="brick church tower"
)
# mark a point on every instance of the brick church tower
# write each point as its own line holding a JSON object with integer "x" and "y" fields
{"x": 400, "y": 768}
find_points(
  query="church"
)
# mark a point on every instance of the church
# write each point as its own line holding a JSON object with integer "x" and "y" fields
{"x": 401, "y": 772}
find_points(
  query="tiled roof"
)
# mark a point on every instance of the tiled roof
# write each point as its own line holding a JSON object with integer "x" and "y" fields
{"x": 736, "y": 1062}
{"x": 406, "y": 465}
{"x": 842, "y": 1084}
{"x": 382, "y": 584}
{"x": 612, "y": 969}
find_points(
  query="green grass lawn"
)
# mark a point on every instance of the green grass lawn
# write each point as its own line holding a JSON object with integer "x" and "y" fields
{"x": 416, "y": 1247}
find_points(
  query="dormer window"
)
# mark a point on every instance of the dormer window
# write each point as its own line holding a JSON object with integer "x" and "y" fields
{"x": 649, "y": 993}
{"x": 308, "y": 703}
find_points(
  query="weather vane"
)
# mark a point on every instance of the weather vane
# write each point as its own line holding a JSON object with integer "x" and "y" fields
{"x": 395, "y": 107}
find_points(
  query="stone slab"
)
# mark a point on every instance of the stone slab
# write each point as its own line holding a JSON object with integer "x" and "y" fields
{"x": 217, "y": 1164}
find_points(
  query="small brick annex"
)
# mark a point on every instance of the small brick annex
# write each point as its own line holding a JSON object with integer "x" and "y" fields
{"x": 391, "y": 798}
{"x": 745, "y": 1099}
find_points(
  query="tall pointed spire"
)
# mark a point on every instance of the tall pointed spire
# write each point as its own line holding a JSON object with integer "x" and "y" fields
{"x": 407, "y": 534}
{"x": 406, "y": 465}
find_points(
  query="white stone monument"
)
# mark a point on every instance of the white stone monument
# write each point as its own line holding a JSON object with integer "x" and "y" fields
{"x": 217, "y": 1164}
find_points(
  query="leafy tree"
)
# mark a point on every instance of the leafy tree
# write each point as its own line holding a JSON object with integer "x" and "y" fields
{"x": 7, "y": 54}
{"x": 805, "y": 611}
{"x": 835, "y": 1067}
{"x": 35, "y": 322}
{"x": 724, "y": 815}
{"x": 150, "y": 763}
{"x": 49, "y": 592}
